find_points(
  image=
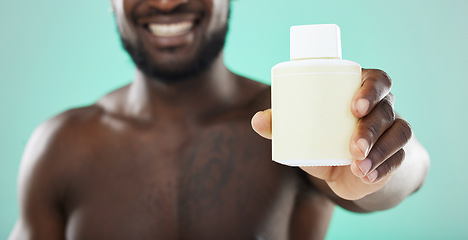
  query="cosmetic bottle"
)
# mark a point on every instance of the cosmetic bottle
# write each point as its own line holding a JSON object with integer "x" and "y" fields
{"x": 312, "y": 121}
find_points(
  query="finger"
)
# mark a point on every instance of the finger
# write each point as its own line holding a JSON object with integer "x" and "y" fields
{"x": 261, "y": 123}
{"x": 386, "y": 168}
{"x": 387, "y": 145}
{"x": 376, "y": 84}
{"x": 371, "y": 127}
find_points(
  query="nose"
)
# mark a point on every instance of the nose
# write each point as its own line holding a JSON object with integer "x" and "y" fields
{"x": 166, "y": 5}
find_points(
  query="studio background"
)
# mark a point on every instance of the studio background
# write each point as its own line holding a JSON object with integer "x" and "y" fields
{"x": 55, "y": 55}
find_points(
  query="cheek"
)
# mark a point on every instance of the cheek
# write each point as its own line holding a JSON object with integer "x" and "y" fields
{"x": 125, "y": 29}
{"x": 219, "y": 13}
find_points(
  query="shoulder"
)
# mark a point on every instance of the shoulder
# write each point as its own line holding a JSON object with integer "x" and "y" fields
{"x": 63, "y": 128}
{"x": 47, "y": 165}
{"x": 76, "y": 127}
{"x": 61, "y": 143}
{"x": 51, "y": 159}
{"x": 54, "y": 145}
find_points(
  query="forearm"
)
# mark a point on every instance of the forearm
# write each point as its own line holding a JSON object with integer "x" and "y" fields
{"x": 407, "y": 179}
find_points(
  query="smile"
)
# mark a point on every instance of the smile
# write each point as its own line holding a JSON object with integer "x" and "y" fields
{"x": 170, "y": 29}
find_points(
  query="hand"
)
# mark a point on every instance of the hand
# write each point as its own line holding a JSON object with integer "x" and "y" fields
{"x": 376, "y": 144}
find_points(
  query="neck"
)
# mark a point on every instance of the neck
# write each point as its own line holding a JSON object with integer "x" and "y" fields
{"x": 188, "y": 100}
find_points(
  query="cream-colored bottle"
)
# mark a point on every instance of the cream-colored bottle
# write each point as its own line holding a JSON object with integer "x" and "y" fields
{"x": 312, "y": 121}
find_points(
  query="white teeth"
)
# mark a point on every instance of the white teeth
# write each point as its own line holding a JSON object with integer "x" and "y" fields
{"x": 168, "y": 30}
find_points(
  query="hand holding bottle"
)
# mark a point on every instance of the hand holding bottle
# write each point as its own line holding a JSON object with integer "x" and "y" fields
{"x": 376, "y": 144}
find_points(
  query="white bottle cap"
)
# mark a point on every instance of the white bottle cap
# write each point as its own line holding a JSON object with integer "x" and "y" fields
{"x": 315, "y": 41}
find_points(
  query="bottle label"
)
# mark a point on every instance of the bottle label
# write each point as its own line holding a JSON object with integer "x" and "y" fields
{"x": 312, "y": 121}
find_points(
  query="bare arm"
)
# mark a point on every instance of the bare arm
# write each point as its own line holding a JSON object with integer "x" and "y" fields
{"x": 41, "y": 216}
{"x": 407, "y": 179}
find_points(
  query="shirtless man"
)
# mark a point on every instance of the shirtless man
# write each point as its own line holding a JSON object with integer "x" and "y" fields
{"x": 173, "y": 155}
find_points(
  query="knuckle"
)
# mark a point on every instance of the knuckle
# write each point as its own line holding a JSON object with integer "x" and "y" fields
{"x": 390, "y": 97}
{"x": 388, "y": 112}
{"x": 405, "y": 132}
{"x": 379, "y": 81}
{"x": 371, "y": 130}
{"x": 396, "y": 160}
{"x": 380, "y": 74}
{"x": 385, "y": 77}
{"x": 400, "y": 155}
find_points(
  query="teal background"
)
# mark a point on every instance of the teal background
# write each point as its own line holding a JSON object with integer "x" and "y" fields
{"x": 56, "y": 55}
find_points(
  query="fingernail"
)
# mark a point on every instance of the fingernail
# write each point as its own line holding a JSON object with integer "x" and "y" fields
{"x": 361, "y": 106}
{"x": 372, "y": 176}
{"x": 265, "y": 112}
{"x": 363, "y": 145}
{"x": 365, "y": 165}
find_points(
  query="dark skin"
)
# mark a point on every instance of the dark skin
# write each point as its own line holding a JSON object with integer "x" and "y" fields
{"x": 180, "y": 161}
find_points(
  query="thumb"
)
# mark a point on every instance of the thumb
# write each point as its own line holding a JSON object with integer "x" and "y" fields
{"x": 261, "y": 123}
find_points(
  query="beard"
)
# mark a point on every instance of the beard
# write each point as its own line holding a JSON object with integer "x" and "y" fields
{"x": 170, "y": 73}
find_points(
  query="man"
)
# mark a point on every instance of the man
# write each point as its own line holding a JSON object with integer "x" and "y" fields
{"x": 173, "y": 156}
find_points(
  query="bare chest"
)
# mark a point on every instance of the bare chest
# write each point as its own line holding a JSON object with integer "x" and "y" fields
{"x": 220, "y": 184}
